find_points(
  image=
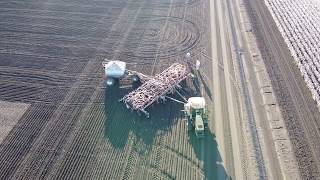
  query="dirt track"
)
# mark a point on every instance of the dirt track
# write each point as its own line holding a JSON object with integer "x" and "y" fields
{"x": 51, "y": 54}
{"x": 298, "y": 108}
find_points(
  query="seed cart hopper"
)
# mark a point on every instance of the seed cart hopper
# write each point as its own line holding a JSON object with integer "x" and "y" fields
{"x": 116, "y": 70}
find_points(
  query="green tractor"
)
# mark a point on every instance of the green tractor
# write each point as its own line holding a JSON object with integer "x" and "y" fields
{"x": 195, "y": 112}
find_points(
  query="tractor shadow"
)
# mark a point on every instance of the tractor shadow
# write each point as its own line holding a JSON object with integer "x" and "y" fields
{"x": 206, "y": 150}
{"x": 121, "y": 123}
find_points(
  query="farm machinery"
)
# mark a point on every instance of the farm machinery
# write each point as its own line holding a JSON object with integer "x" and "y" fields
{"x": 116, "y": 70}
{"x": 195, "y": 112}
{"x": 158, "y": 88}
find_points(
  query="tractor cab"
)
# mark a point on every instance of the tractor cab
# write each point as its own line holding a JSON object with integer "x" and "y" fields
{"x": 195, "y": 113}
{"x": 199, "y": 125}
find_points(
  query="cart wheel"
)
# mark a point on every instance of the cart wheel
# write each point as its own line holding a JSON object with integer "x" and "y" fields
{"x": 110, "y": 81}
{"x": 135, "y": 78}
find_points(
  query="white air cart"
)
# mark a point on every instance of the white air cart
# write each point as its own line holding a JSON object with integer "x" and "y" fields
{"x": 117, "y": 70}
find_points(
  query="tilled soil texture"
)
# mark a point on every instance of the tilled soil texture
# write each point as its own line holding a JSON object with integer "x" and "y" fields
{"x": 50, "y": 57}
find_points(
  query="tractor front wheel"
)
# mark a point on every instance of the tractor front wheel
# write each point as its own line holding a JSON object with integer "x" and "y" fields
{"x": 110, "y": 81}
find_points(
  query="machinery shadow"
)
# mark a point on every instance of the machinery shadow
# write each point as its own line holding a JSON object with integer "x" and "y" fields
{"x": 197, "y": 81}
{"x": 206, "y": 150}
{"x": 121, "y": 124}
{"x": 206, "y": 88}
